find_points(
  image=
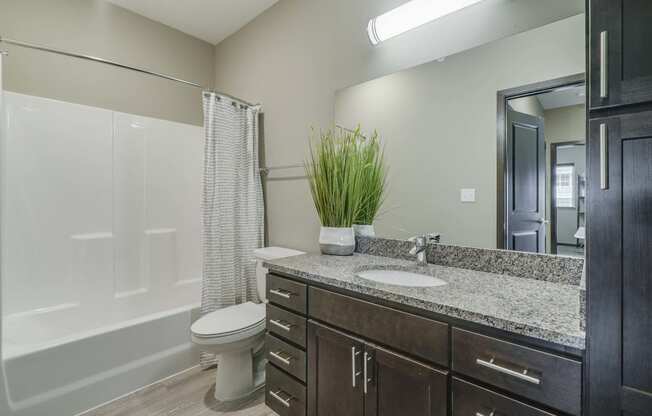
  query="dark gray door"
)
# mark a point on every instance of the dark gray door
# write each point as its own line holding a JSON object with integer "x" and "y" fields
{"x": 526, "y": 183}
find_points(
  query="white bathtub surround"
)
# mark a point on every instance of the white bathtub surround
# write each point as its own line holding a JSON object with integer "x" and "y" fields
{"x": 337, "y": 241}
{"x": 362, "y": 230}
{"x": 232, "y": 205}
{"x": 101, "y": 264}
{"x": 236, "y": 334}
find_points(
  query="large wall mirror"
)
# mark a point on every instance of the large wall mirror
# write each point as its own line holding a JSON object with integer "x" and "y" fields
{"x": 485, "y": 147}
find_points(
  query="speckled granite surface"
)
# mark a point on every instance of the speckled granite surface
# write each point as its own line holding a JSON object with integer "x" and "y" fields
{"x": 535, "y": 308}
{"x": 558, "y": 269}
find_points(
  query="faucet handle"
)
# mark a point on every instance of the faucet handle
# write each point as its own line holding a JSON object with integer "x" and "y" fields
{"x": 433, "y": 237}
{"x": 425, "y": 238}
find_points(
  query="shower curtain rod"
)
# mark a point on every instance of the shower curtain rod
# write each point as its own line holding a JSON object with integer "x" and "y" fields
{"x": 119, "y": 65}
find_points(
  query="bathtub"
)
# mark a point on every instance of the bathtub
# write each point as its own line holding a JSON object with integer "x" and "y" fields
{"x": 101, "y": 262}
{"x": 56, "y": 365}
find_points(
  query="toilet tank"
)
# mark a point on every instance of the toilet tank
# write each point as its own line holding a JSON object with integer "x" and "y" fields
{"x": 269, "y": 253}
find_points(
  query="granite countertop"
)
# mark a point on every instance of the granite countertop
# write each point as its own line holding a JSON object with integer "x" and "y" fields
{"x": 539, "y": 309}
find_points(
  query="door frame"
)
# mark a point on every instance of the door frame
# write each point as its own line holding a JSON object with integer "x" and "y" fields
{"x": 553, "y": 197}
{"x": 501, "y": 172}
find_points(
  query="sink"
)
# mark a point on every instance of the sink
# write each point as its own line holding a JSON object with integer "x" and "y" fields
{"x": 401, "y": 278}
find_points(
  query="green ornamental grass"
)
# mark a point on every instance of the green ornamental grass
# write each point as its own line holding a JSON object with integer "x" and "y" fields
{"x": 347, "y": 177}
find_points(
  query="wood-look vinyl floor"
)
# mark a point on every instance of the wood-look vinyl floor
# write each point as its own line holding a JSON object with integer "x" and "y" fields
{"x": 187, "y": 394}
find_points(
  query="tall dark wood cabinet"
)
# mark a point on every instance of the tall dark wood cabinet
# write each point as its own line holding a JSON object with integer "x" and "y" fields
{"x": 620, "y": 59}
{"x": 619, "y": 226}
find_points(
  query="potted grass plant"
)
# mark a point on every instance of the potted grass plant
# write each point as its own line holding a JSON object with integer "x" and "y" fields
{"x": 335, "y": 176}
{"x": 374, "y": 183}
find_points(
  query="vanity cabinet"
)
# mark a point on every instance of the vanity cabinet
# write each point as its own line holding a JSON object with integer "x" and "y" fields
{"x": 351, "y": 377}
{"x": 332, "y": 353}
{"x": 398, "y": 385}
{"x": 620, "y": 64}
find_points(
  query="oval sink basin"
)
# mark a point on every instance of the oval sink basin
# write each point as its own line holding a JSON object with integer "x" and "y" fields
{"x": 401, "y": 278}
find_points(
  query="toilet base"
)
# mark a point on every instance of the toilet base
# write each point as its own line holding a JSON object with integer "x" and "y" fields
{"x": 239, "y": 374}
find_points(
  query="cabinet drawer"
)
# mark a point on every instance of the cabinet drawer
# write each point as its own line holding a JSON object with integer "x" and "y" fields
{"x": 287, "y": 325}
{"x": 469, "y": 399}
{"x": 540, "y": 376}
{"x": 287, "y": 293}
{"x": 283, "y": 394}
{"x": 290, "y": 359}
{"x": 420, "y": 337}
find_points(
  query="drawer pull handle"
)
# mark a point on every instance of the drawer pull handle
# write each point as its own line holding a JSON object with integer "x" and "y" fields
{"x": 279, "y": 356}
{"x": 281, "y": 324}
{"x": 493, "y": 413}
{"x": 281, "y": 293}
{"x": 277, "y": 395}
{"x": 522, "y": 375}
{"x": 354, "y": 371}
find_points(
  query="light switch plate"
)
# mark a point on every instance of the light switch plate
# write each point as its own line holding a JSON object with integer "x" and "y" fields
{"x": 467, "y": 195}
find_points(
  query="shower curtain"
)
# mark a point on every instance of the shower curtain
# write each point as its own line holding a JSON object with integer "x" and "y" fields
{"x": 232, "y": 205}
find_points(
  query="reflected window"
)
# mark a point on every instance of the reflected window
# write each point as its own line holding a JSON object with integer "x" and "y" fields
{"x": 564, "y": 188}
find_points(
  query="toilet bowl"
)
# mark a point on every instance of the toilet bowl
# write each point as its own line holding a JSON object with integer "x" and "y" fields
{"x": 236, "y": 334}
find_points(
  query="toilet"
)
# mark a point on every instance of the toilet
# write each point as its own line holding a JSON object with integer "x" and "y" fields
{"x": 236, "y": 334}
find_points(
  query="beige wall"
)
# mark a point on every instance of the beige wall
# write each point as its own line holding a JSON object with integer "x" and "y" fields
{"x": 295, "y": 56}
{"x": 438, "y": 122}
{"x": 566, "y": 124}
{"x": 101, "y": 29}
{"x": 527, "y": 105}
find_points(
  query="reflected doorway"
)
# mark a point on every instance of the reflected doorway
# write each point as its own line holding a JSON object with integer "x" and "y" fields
{"x": 541, "y": 167}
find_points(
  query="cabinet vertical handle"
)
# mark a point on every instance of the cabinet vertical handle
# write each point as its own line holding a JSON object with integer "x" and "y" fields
{"x": 367, "y": 358}
{"x": 354, "y": 371}
{"x": 604, "y": 157}
{"x": 604, "y": 64}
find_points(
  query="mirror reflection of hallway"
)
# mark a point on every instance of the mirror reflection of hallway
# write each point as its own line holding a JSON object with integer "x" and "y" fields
{"x": 544, "y": 170}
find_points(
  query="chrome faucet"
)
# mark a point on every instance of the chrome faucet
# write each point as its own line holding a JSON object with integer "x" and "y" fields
{"x": 421, "y": 246}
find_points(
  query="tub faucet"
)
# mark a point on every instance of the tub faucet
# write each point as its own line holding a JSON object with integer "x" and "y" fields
{"x": 421, "y": 246}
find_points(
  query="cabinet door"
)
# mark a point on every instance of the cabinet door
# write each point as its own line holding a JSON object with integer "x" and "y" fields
{"x": 334, "y": 373}
{"x": 620, "y": 60}
{"x": 619, "y": 261}
{"x": 397, "y": 386}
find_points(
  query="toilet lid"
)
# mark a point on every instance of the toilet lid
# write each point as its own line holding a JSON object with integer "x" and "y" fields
{"x": 229, "y": 320}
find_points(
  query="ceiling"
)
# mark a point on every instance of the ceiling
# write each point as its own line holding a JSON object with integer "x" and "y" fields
{"x": 563, "y": 97}
{"x": 209, "y": 20}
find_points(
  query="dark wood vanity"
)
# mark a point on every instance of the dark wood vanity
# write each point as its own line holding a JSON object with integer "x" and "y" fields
{"x": 334, "y": 352}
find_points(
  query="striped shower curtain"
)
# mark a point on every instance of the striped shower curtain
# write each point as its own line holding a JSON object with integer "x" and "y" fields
{"x": 232, "y": 205}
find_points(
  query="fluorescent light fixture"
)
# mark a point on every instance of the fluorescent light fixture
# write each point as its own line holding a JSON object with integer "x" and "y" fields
{"x": 411, "y": 15}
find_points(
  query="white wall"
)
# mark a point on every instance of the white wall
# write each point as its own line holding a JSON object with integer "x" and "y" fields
{"x": 295, "y": 56}
{"x": 438, "y": 121}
